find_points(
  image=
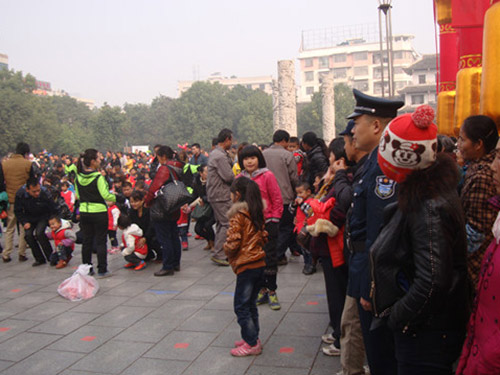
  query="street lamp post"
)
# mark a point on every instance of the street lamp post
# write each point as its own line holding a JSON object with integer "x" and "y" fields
{"x": 384, "y": 9}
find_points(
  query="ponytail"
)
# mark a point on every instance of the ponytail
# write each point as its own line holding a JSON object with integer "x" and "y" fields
{"x": 86, "y": 159}
{"x": 250, "y": 193}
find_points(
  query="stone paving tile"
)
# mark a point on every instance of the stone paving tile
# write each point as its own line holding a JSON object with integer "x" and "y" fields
{"x": 222, "y": 301}
{"x": 24, "y": 344}
{"x": 43, "y": 362}
{"x": 44, "y": 311}
{"x": 177, "y": 283}
{"x": 268, "y": 370}
{"x": 5, "y": 364}
{"x": 152, "y": 366}
{"x": 308, "y": 303}
{"x": 12, "y": 327}
{"x": 289, "y": 351}
{"x": 76, "y": 372}
{"x": 203, "y": 292}
{"x": 28, "y": 300}
{"x": 99, "y": 304}
{"x": 64, "y": 323}
{"x": 85, "y": 339}
{"x": 129, "y": 288}
{"x": 181, "y": 345}
{"x": 219, "y": 278}
{"x": 223, "y": 364}
{"x": 122, "y": 316}
{"x": 208, "y": 321}
{"x": 150, "y": 298}
{"x": 324, "y": 364}
{"x": 177, "y": 310}
{"x": 112, "y": 357}
{"x": 147, "y": 330}
{"x": 303, "y": 324}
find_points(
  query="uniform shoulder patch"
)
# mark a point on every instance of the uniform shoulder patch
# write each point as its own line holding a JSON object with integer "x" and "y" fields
{"x": 384, "y": 187}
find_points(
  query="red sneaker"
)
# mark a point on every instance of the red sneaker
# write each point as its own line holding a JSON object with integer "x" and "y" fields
{"x": 129, "y": 265}
{"x": 189, "y": 234}
{"x": 198, "y": 237}
{"x": 246, "y": 350}
{"x": 241, "y": 342}
{"x": 185, "y": 246}
{"x": 141, "y": 266}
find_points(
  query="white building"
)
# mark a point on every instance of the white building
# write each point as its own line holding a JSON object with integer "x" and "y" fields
{"x": 354, "y": 60}
{"x": 422, "y": 89}
{"x": 264, "y": 83}
{"x": 4, "y": 61}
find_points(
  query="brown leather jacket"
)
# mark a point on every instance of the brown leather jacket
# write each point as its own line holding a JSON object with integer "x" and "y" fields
{"x": 244, "y": 244}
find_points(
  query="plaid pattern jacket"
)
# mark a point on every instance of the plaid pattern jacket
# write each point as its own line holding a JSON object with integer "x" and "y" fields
{"x": 478, "y": 188}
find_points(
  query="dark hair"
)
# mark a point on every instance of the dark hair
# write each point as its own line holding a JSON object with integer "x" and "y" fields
{"x": 202, "y": 167}
{"x": 124, "y": 221}
{"x": 304, "y": 184}
{"x": 336, "y": 147}
{"x": 165, "y": 151}
{"x": 294, "y": 140}
{"x": 139, "y": 184}
{"x": 32, "y": 181}
{"x": 137, "y": 195}
{"x": 281, "y": 135}
{"x": 196, "y": 145}
{"x": 445, "y": 144}
{"x": 223, "y": 135}
{"x": 65, "y": 183}
{"x": 250, "y": 193}
{"x": 312, "y": 140}
{"x": 55, "y": 217}
{"x": 215, "y": 141}
{"x": 86, "y": 158}
{"x": 127, "y": 183}
{"x": 249, "y": 151}
{"x": 22, "y": 148}
{"x": 482, "y": 128}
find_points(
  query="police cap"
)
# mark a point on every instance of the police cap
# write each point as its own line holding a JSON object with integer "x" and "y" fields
{"x": 348, "y": 129}
{"x": 370, "y": 105}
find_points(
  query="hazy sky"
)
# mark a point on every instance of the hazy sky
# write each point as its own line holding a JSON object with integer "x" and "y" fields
{"x": 125, "y": 51}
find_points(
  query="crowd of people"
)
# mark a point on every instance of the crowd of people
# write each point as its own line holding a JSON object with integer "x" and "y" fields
{"x": 403, "y": 222}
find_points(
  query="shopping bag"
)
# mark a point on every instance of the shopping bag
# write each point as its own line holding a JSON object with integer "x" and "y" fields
{"x": 80, "y": 285}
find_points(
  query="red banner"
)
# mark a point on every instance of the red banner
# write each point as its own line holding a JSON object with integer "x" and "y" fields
{"x": 469, "y": 13}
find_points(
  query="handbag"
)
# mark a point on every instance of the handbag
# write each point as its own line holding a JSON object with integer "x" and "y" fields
{"x": 170, "y": 198}
{"x": 202, "y": 211}
{"x": 304, "y": 237}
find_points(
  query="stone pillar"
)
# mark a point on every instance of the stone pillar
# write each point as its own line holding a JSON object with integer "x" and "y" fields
{"x": 287, "y": 97}
{"x": 276, "y": 106}
{"x": 328, "y": 101}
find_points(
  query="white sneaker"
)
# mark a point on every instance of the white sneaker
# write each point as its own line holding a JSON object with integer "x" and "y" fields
{"x": 327, "y": 338}
{"x": 331, "y": 350}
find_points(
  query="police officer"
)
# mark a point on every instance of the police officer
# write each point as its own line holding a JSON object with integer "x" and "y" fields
{"x": 372, "y": 193}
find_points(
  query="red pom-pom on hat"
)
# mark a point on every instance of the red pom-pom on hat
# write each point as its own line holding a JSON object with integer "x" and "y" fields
{"x": 423, "y": 116}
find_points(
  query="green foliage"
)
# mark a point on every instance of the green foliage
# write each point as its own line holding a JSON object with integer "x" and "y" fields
{"x": 309, "y": 117}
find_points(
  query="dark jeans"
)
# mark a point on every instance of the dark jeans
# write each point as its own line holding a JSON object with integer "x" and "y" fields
{"x": 379, "y": 345}
{"x": 94, "y": 228}
{"x": 132, "y": 258}
{"x": 245, "y": 303}
{"x": 306, "y": 254}
{"x": 271, "y": 271}
{"x": 112, "y": 238}
{"x": 34, "y": 236}
{"x": 429, "y": 353}
{"x": 183, "y": 233}
{"x": 62, "y": 253}
{"x": 336, "y": 287}
{"x": 286, "y": 238}
{"x": 204, "y": 228}
{"x": 167, "y": 235}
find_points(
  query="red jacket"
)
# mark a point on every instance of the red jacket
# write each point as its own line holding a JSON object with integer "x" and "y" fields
{"x": 64, "y": 235}
{"x": 113, "y": 215}
{"x": 69, "y": 198}
{"x": 161, "y": 177}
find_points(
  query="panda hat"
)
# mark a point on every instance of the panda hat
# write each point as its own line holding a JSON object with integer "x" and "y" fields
{"x": 408, "y": 143}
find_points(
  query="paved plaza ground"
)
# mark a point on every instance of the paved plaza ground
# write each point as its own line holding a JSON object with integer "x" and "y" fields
{"x": 145, "y": 325}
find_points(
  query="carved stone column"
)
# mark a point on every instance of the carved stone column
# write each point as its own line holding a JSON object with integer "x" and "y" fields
{"x": 276, "y": 106}
{"x": 287, "y": 97}
{"x": 328, "y": 101}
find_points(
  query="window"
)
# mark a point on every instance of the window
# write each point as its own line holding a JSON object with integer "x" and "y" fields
{"x": 417, "y": 99}
{"x": 324, "y": 62}
{"x": 361, "y": 85}
{"x": 377, "y": 73}
{"x": 400, "y": 84}
{"x": 360, "y": 71}
{"x": 309, "y": 90}
{"x": 360, "y": 56}
{"x": 340, "y": 58}
{"x": 340, "y": 73}
{"x": 309, "y": 76}
{"x": 376, "y": 58}
{"x": 398, "y": 55}
{"x": 377, "y": 88}
{"x": 421, "y": 79}
{"x": 262, "y": 86}
{"x": 398, "y": 70}
{"x": 309, "y": 63}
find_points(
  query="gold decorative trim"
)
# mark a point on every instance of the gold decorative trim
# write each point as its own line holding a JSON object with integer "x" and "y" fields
{"x": 471, "y": 61}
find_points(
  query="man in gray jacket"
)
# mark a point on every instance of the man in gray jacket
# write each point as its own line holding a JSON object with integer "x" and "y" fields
{"x": 219, "y": 180}
{"x": 281, "y": 162}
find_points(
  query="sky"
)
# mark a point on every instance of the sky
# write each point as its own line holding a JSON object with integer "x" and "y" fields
{"x": 125, "y": 51}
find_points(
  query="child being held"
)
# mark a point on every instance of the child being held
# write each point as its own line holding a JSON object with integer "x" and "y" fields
{"x": 113, "y": 215}
{"x": 134, "y": 248}
{"x": 68, "y": 195}
{"x": 246, "y": 237}
{"x": 64, "y": 241}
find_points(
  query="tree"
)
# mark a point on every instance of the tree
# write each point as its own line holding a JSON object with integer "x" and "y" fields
{"x": 109, "y": 129}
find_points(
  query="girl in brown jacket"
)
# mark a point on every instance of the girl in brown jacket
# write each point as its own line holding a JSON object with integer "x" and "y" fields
{"x": 246, "y": 237}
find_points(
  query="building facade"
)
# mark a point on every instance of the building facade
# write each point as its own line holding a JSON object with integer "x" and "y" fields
{"x": 4, "y": 61}
{"x": 263, "y": 83}
{"x": 355, "y": 62}
{"x": 422, "y": 89}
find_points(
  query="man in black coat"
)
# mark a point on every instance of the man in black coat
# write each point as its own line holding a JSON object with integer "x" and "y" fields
{"x": 33, "y": 207}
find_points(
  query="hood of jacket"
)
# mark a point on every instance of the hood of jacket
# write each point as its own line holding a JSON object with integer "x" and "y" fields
{"x": 85, "y": 178}
{"x": 65, "y": 224}
{"x": 133, "y": 230}
{"x": 255, "y": 174}
{"x": 238, "y": 207}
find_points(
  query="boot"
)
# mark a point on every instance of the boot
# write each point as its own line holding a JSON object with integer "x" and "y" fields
{"x": 210, "y": 245}
{"x": 61, "y": 264}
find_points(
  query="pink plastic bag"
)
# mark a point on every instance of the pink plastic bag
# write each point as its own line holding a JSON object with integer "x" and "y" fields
{"x": 80, "y": 285}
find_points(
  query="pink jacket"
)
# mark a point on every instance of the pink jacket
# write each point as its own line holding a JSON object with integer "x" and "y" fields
{"x": 481, "y": 351}
{"x": 270, "y": 191}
